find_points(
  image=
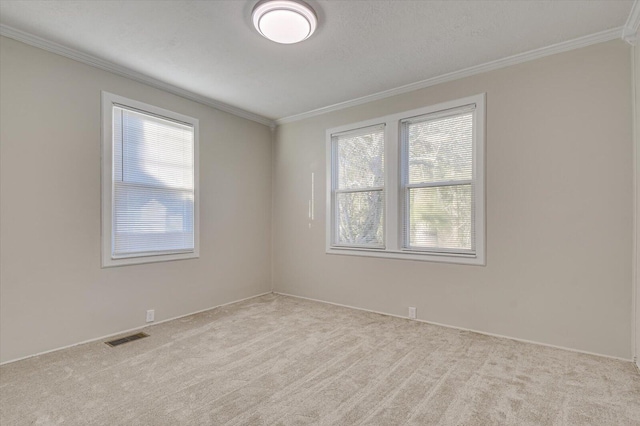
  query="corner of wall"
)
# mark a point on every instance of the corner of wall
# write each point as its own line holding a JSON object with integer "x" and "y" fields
{"x": 273, "y": 128}
{"x": 635, "y": 338}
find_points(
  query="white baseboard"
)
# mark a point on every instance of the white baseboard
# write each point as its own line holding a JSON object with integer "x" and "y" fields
{"x": 460, "y": 328}
{"x": 132, "y": 329}
{"x": 637, "y": 362}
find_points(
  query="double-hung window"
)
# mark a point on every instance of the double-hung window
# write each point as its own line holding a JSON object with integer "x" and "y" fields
{"x": 438, "y": 186}
{"x": 410, "y": 185}
{"x": 359, "y": 188}
{"x": 149, "y": 183}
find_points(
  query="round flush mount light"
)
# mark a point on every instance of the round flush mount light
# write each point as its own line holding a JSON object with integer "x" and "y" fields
{"x": 284, "y": 21}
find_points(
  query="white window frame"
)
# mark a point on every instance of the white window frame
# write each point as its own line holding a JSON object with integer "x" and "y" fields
{"x": 109, "y": 100}
{"x": 394, "y": 189}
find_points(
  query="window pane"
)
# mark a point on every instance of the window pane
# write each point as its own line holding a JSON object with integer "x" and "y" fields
{"x": 152, "y": 151}
{"x": 361, "y": 159}
{"x": 360, "y": 218}
{"x": 441, "y": 149}
{"x": 440, "y": 217}
{"x": 151, "y": 219}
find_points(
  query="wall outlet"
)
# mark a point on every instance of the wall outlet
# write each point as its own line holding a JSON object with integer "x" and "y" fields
{"x": 412, "y": 312}
{"x": 151, "y": 314}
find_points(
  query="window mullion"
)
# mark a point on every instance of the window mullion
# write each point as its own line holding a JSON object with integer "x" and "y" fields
{"x": 391, "y": 206}
{"x": 403, "y": 197}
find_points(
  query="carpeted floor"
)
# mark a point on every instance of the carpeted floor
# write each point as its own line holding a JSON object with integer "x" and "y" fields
{"x": 277, "y": 360}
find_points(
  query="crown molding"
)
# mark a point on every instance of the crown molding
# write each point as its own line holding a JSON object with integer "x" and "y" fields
{"x": 629, "y": 34}
{"x": 630, "y": 29}
{"x": 577, "y": 43}
{"x": 93, "y": 61}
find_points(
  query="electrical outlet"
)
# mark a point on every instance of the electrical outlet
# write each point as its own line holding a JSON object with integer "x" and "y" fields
{"x": 151, "y": 313}
{"x": 412, "y": 312}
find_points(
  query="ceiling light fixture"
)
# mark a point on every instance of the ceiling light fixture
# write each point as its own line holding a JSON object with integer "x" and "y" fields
{"x": 284, "y": 21}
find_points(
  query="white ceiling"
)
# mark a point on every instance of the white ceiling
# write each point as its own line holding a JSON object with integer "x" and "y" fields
{"x": 361, "y": 47}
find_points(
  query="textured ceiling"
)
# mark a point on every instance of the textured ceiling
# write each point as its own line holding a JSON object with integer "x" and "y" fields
{"x": 360, "y": 47}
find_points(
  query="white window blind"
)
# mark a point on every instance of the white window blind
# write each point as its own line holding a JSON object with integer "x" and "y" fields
{"x": 358, "y": 187}
{"x": 153, "y": 185}
{"x": 439, "y": 187}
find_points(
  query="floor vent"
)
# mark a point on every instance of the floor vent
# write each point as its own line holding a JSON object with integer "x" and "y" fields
{"x": 126, "y": 339}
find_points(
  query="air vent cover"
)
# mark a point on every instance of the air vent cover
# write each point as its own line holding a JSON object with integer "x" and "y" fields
{"x": 126, "y": 339}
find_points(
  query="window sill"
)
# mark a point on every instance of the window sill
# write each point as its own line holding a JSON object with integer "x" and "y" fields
{"x": 462, "y": 259}
{"x": 108, "y": 262}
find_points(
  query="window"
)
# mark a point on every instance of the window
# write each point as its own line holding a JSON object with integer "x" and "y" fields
{"x": 359, "y": 193}
{"x": 149, "y": 183}
{"x": 409, "y": 185}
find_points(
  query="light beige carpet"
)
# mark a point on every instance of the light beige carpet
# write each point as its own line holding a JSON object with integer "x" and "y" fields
{"x": 277, "y": 360}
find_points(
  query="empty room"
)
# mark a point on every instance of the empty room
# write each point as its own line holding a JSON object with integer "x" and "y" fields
{"x": 323, "y": 212}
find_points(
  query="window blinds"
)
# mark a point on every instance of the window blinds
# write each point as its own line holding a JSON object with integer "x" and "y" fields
{"x": 153, "y": 185}
{"x": 359, "y": 187}
{"x": 439, "y": 185}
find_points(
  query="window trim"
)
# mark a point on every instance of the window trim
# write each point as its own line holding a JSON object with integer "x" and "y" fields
{"x": 108, "y": 101}
{"x": 394, "y": 205}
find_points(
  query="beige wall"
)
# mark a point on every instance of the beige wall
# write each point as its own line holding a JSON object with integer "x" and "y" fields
{"x": 559, "y": 209}
{"x": 53, "y": 291}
